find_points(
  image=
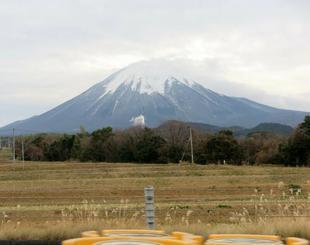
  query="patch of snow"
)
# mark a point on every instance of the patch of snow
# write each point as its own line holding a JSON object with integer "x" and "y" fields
{"x": 147, "y": 77}
{"x": 115, "y": 105}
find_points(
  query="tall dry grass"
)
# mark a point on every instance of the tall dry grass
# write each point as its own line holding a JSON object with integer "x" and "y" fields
{"x": 284, "y": 219}
{"x": 66, "y": 229}
{"x": 283, "y": 210}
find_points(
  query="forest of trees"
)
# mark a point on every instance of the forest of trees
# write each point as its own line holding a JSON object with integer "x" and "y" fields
{"x": 170, "y": 144}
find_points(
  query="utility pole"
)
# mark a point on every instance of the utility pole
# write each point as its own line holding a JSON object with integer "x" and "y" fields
{"x": 191, "y": 141}
{"x": 23, "y": 152}
{"x": 13, "y": 145}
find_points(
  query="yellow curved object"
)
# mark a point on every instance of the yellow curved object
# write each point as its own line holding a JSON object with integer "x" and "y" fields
{"x": 146, "y": 241}
{"x": 134, "y": 233}
{"x": 153, "y": 233}
{"x": 90, "y": 234}
{"x": 268, "y": 237}
{"x": 296, "y": 241}
{"x": 187, "y": 236}
{"x": 159, "y": 237}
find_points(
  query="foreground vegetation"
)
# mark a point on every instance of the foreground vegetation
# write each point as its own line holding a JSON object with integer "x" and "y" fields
{"x": 169, "y": 143}
{"x": 58, "y": 200}
{"x": 67, "y": 230}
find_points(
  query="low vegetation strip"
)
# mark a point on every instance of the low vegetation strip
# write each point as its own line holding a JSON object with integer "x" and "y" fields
{"x": 55, "y": 201}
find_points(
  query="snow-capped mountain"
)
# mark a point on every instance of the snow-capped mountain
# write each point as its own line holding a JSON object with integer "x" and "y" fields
{"x": 153, "y": 92}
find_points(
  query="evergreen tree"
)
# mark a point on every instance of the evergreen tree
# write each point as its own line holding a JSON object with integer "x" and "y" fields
{"x": 148, "y": 147}
{"x": 297, "y": 151}
{"x": 224, "y": 148}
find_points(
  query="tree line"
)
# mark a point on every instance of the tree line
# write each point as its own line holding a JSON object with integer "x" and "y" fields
{"x": 169, "y": 144}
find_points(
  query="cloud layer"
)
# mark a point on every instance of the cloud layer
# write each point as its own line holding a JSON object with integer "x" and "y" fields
{"x": 51, "y": 51}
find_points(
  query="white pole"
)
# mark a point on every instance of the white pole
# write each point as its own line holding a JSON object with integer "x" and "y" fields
{"x": 149, "y": 207}
{"x": 191, "y": 140}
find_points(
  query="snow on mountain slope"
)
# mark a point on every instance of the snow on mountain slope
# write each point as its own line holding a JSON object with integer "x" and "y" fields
{"x": 157, "y": 90}
{"x": 148, "y": 77}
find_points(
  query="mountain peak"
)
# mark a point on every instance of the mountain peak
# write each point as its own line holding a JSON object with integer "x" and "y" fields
{"x": 151, "y": 76}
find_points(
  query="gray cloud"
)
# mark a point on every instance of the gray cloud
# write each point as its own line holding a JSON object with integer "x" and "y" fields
{"x": 51, "y": 51}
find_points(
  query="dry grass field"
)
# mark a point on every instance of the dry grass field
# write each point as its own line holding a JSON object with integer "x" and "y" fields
{"x": 58, "y": 200}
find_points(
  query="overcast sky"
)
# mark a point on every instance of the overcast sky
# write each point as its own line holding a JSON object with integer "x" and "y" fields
{"x": 50, "y": 51}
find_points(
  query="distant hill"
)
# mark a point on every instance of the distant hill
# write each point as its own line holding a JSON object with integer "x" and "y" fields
{"x": 154, "y": 91}
{"x": 274, "y": 128}
{"x": 270, "y": 127}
